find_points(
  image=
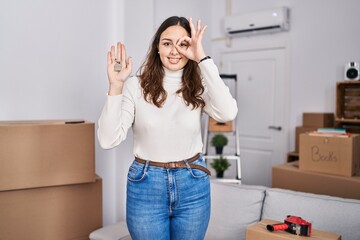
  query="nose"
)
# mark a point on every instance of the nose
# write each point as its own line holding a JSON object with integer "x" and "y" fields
{"x": 174, "y": 51}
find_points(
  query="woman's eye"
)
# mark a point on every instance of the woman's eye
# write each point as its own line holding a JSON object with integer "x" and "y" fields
{"x": 166, "y": 44}
{"x": 183, "y": 45}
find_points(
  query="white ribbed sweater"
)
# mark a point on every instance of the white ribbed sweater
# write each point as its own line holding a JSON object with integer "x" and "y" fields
{"x": 169, "y": 133}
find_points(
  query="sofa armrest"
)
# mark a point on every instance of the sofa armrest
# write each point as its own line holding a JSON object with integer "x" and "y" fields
{"x": 116, "y": 231}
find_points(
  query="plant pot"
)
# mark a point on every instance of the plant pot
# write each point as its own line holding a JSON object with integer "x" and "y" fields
{"x": 219, "y": 150}
{"x": 220, "y": 174}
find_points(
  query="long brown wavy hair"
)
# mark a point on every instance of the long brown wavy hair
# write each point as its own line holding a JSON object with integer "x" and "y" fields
{"x": 152, "y": 72}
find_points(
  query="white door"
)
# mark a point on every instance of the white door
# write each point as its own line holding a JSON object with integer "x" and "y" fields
{"x": 262, "y": 101}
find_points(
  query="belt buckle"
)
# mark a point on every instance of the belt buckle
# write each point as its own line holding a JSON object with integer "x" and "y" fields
{"x": 170, "y": 165}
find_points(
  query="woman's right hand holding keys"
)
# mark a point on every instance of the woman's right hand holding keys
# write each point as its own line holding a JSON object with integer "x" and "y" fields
{"x": 118, "y": 68}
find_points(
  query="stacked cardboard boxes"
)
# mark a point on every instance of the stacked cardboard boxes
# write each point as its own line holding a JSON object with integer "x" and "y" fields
{"x": 48, "y": 185}
{"x": 327, "y": 164}
{"x": 311, "y": 122}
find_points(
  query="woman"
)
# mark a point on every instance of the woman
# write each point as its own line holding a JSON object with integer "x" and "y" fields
{"x": 168, "y": 189}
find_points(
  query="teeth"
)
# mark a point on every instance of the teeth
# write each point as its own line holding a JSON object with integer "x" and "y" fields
{"x": 174, "y": 60}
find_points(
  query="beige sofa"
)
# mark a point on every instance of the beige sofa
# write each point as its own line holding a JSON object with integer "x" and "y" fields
{"x": 236, "y": 206}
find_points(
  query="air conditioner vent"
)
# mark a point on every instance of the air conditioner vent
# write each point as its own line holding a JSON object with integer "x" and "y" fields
{"x": 267, "y": 21}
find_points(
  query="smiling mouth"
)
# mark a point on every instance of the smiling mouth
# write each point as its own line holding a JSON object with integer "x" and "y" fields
{"x": 174, "y": 60}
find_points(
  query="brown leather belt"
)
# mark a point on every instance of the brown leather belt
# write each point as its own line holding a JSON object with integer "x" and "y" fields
{"x": 177, "y": 164}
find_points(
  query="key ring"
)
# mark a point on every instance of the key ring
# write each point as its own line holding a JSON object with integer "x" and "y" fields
{"x": 117, "y": 66}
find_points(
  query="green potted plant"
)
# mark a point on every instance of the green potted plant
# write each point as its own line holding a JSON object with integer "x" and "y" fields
{"x": 220, "y": 164}
{"x": 219, "y": 141}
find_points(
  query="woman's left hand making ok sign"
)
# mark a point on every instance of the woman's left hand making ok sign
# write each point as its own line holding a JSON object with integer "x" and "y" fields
{"x": 194, "y": 50}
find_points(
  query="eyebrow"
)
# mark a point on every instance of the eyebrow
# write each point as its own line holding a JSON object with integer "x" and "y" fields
{"x": 166, "y": 39}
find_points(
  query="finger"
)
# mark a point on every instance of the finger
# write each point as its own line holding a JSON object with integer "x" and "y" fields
{"x": 118, "y": 54}
{"x": 180, "y": 50}
{"x": 204, "y": 27}
{"x": 109, "y": 61}
{"x": 123, "y": 55}
{"x": 112, "y": 53}
{"x": 186, "y": 39}
{"x": 129, "y": 63}
{"x": 182, "y": 40}
{"x": 201, "y": 33}
{"x": 198, "y": 26}
{"x": 192, "y": 28}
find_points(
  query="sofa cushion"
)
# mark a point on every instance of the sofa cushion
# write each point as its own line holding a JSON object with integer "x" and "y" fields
{"x": 233, "y": 207}
{"x": 332, "y": 214}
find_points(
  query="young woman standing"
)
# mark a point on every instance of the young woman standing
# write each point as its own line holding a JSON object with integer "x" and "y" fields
{"x": 168, "y": 188}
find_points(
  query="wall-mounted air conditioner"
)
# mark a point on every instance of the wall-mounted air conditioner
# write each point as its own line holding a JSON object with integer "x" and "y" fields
{"x": 259, "y": 22}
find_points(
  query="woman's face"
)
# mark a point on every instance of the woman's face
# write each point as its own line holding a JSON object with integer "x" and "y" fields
{"x": 170, "y": 57}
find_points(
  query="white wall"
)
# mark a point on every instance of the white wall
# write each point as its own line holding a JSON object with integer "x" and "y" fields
{"x": 53, "y": 59}
{"x": 53, "y": 66}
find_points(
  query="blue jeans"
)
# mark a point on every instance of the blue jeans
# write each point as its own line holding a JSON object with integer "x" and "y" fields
{"x": 164, "y": 204}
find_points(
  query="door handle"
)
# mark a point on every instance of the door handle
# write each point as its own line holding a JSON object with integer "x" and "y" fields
{"x": 278, "y": 128}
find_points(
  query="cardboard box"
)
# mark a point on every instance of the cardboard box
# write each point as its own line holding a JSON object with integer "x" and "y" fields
{"x": 318, "y": 120}
{"x": 299, "y": 130}
{"x": 289, "y": 176}
{"x": 56, "y": 213}
{"x": 215, "y": 126}
{"x": 292, "y": 156}
{"x": 258, "y": 231}
{"x": 46, "y": 153}
{"x": 333, "y": 155}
